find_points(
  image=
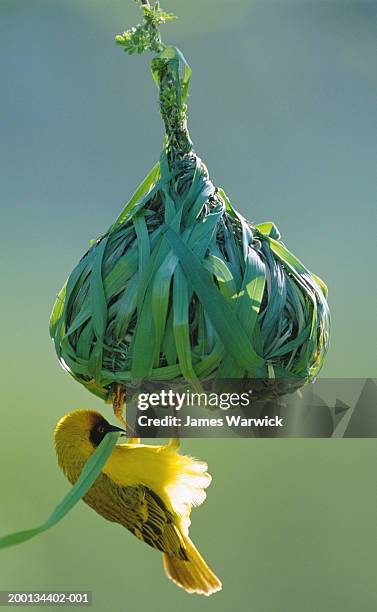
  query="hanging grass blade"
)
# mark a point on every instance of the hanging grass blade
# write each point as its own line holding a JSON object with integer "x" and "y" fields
{"x": 143, "y": 188}
{"x": 89, "y": 474}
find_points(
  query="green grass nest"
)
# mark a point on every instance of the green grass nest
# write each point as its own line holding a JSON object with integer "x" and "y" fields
{"x": 181, "y": 285}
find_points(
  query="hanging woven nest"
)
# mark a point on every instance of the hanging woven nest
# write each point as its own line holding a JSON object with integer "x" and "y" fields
{"x": 182, "y": 285}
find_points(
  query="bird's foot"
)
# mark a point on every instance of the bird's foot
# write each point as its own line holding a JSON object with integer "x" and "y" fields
{"x": 118, "y": 405}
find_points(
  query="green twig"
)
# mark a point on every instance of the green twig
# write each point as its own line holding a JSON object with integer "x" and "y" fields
{"x": 166, "y": 68}
{"x": 145, "y": 36}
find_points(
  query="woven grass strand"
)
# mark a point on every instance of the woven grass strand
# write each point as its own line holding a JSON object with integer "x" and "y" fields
{"x": 182, "y": 285}
{"x": 89, "y": 474}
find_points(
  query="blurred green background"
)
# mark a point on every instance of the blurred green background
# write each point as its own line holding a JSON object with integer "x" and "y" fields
{"x": 283, "y": 111}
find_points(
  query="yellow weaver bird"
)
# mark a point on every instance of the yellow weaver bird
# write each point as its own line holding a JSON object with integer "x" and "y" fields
{"x": 150, "y": 490}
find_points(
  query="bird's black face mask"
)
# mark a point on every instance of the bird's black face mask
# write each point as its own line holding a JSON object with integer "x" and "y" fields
{"x": 100, "y": 429}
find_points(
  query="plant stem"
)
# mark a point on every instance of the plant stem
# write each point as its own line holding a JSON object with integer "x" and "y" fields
{"x": 173, "y": 114}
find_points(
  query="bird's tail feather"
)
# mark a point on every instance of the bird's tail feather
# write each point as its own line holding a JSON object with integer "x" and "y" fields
{"x": 193, "y": 575}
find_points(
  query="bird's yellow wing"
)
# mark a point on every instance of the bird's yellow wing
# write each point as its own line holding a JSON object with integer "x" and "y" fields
{"x": 141, "y": 511}
{"x": 179, "y": 480}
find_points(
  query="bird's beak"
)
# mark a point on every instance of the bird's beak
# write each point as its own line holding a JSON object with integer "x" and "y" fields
{"x": 114, "y": 428}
